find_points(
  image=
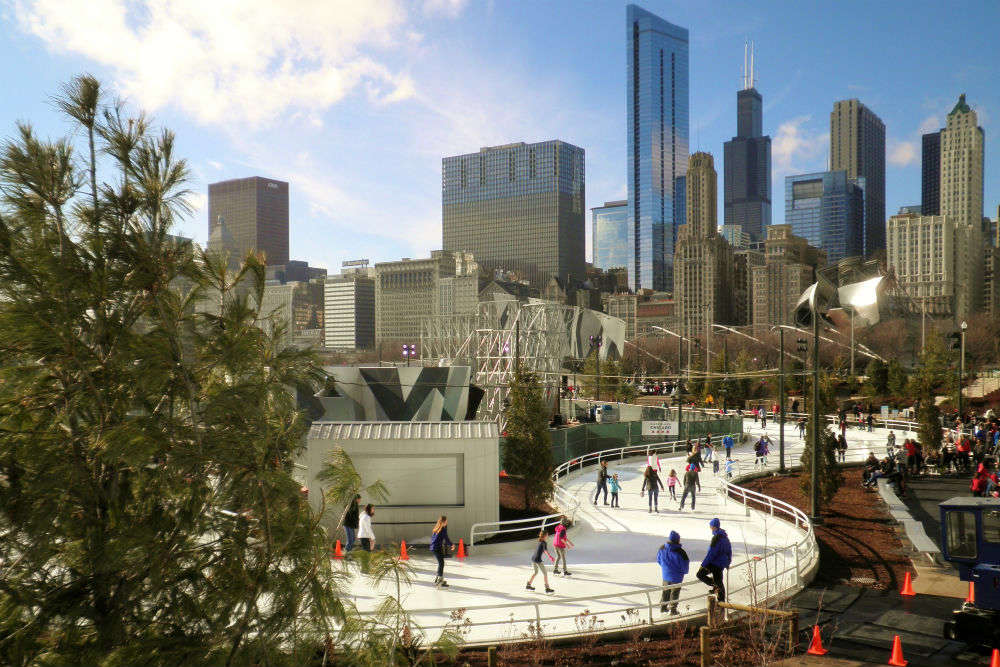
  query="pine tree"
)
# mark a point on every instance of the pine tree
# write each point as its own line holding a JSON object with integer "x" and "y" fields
{"x": 929, "y": 418}
{"x": 828, "y": 473}
{"x": 148, "y": 514}
{"x": 527, "y": 444}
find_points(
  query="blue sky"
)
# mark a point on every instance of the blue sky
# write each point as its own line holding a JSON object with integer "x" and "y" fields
{"x": 355, "y": 103}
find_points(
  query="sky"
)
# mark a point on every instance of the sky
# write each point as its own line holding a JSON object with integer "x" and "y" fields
{"x": 356, "y": 103}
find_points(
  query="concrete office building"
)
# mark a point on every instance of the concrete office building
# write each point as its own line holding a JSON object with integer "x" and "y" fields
{"x": 349, "y": 307}
{"x": 962, "y": 155}
{"x": 747, "y": 161}
{"x": 408, "y": 291}
{"x": 930, "y": 255}
{"x": 298, "y": 308}
{"x": 657, "y": 151}
{"x": 789, "y": 267}
{"x": 703, "y": 262}
{"x": 827, "y": 209}
{"x": 247, "y": 214}
{"x": 610, "y": 235}
{"x": 518, "y": 208}
{"x": 857, "y": 146}
{"x": 930, "y": 173}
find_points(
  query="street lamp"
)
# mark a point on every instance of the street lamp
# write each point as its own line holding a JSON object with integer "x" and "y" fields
{"x": 409, "y": 350}
{"x": 677, "y": 381}
{"x": 781, "y": 399}
{"x": 961, "y": 368}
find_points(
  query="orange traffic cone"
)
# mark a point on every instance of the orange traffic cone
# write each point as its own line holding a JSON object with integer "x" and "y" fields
{"x": 995, "y": 660}
{"x": 337, "y": 553}
{"x": 907, "y": 586}
{"x": 461, "y": 548}
{"x": 402, "y": 551}
{"x": 972, "y": 597}
{"x": 897, "y": 659}
{"x": 816, "y": 645}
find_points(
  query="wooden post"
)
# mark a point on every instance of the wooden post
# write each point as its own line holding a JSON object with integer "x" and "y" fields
{"x": 793, "y": 634}
{"x": 706, "y": 647}
{"x": 491, "y": 656}
{"x": 713, "y": 609}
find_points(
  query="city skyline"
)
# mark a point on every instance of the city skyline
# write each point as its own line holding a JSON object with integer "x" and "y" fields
{"x": 383, "y": 202}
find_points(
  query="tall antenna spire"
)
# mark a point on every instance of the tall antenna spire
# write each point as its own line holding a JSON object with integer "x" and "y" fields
{"x": 753, "y": 80}
{"x": 746, "y": 53}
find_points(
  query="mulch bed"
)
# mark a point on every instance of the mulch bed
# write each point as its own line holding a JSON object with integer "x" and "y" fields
{"x": 858, "y": 542}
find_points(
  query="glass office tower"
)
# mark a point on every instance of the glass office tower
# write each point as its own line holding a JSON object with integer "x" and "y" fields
{"x": 827, "y": 209}
{"x": 518, "y": 207}
{"x": 657, "y": 151}
{"x": 611, "y": 248}
{"x": 747, "y": 168}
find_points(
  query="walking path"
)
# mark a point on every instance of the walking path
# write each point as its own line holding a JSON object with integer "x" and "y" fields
{"x": 614, "y": 557}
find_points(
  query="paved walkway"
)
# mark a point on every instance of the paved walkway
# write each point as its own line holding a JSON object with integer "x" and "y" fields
{"x": 614, "y": 556}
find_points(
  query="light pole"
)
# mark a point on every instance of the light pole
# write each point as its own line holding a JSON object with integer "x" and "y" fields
{"x": 961, "y": 368}
{"x": 677, "y": 382}
{"x": 409, "y": 350}
{"x": 814, "y": 460}
{"x": 781, "y": 400}
{"x": 851, "y": 311}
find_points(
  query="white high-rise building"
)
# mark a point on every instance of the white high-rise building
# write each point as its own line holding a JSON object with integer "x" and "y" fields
{"x": 349, "y": 308}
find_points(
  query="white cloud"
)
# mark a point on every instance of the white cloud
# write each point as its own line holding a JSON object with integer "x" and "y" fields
{"x": 228, "y": 61}
{"x": 903, "y": 153}
{"x": 450, "y": 8}
{"x": 930, "y": 124}
{"x": 215, "y": 165}
{"x": 796, "y": 147}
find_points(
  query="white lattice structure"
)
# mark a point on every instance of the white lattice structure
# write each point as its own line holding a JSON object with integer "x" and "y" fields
{"x": 538, "y": 335}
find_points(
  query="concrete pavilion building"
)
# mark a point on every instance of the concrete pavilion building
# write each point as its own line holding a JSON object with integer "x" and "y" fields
{"x": 857, "y": 146}
{"x": 518, "y": 208}
{"x": 703, "y": 261}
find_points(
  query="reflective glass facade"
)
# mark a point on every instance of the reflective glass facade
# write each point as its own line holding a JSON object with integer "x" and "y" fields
{"x": 930, "y": 174}
{"x": 657, "y": 151}
{"x": 827, "y": 209}
{"x": 518, "y": 207}
{"x": 611, "y": 247}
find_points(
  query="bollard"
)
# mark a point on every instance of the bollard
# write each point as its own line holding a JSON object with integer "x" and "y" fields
{"x": 491, "y": 656}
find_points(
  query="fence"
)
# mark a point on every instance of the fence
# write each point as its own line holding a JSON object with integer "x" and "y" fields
{"x": 772, "y": 575}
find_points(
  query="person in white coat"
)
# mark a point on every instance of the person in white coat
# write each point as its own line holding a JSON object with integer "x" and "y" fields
{"x": 365, "y": 532}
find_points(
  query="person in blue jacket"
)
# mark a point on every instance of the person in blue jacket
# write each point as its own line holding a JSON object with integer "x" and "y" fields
{"x": 718, "y": 558}
{"x": 440, "y": 542}
{"x": 674, "y": 563}
{"x": 728, "y": 443}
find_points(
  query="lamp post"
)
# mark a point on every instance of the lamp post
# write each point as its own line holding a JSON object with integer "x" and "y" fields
{"x": 814, "y": 459}
{"x": 781, "y": 400}
{"x": 961, "y": 368}
{"x": 409, "y": 350}
{"x": 677, "y": 382}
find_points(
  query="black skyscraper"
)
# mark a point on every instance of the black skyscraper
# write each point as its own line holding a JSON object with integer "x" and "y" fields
{"x": 930, "y": 175}
{"x": 747, "y": 164}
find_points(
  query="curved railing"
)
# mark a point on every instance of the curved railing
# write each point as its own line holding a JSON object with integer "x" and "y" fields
{"x": 567, "y": 502}
{"x": 775, "y": 574}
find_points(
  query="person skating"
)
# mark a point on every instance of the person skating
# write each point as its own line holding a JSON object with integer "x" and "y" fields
{"x": 802, "y": 427}
{"x": 841, "y": 448}
{"x": 890, "y": 443}
{"x": 651, "y": 480}
{"x": 672, "y": 484}
{"x": 690, "y": 484}
{"x": 729, "y": 468}
{"x": 728, "y": 443}
{"x": 561, "y": 542}
{"x": 439, "y": 543}
{"x": 365, "y": 532}
{"x": 615, "y": 488}
{"x": 542, "y": 547}
{"x": 674, "y": 564}
{"x": 602, "y": 482}
{"x": 351, "y": 519}
{"x": 718, "y": 558}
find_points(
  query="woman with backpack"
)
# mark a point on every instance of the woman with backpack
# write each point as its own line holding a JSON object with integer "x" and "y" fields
{"x": 440, "y": 542}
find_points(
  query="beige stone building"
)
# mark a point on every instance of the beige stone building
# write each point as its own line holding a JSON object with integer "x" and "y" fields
{"x": 744, "y": 260}
{"x": 945, "y": 260}
{"x": 789, "y": 267}
{"x": 410, "y": 290}
{"x": 703, "y": 260}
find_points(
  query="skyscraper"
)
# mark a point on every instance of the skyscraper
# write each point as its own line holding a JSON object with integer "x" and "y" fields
{"x": 747, "y": 158}
{"x": 247, "y": 214}
{"x": 857, "y": 146}
{"x": 518, "y": 207}
{"x": 611, "y": 249}
{"x": 930, "y": 174}
{"x": 827, "y": 209}
{"x": 657, "y": 150}
{"x": 703, "y": 262}
{"x": 962, "y": 165}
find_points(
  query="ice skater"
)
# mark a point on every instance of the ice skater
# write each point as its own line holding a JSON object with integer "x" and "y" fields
{"x": 542, "y": 547}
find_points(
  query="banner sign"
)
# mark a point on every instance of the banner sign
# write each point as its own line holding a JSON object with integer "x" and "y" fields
{"x": 659, "y": 428}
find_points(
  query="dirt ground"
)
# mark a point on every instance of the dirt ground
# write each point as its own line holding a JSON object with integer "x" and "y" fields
{"x": 858, "y": 546}
{"x": 858, "y": 542}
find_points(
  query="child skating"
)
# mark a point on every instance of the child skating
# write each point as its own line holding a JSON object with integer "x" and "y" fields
{"x": 672, "y": 484}
{"x": 561, "y": 542}
{"x": 615, "y": 488}
{"x": 536, "y": 560}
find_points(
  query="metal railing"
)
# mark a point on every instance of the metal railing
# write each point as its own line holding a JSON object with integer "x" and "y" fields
{"x": 774, "y": 574}
{"x": 567, "y": 502}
